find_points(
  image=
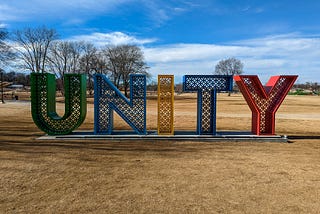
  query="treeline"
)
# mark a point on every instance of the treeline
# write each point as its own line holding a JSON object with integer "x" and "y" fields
{"x": 17, "y": 78}
{"x": 308, "y": 88}
{"x": 312, "y": 86}
{"x": 299, "y": 88}
{"x": 40, "y": 50}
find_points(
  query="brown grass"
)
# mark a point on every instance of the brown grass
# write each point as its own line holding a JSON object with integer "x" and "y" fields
{"x": 163, "y": 177}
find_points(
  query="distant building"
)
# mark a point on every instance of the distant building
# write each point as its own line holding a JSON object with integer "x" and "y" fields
{"x": 16, "y": 87}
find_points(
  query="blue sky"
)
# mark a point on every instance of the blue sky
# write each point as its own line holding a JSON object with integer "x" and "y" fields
{"x": 188, "y": 37}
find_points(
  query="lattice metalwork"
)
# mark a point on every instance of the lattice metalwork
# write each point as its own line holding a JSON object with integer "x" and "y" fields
{"x": 207, "y": 87}
{"x": 165, "y": 104}
{"x": 108, "y": 98}
{"x": 43, "y": 103}
{"x": 264, "y": 101}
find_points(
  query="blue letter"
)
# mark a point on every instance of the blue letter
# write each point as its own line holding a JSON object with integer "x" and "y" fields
{"x": 207, "y": 87}
{"x": 108, "y": 98}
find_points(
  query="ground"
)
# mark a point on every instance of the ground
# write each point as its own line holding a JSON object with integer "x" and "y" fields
{"x": 41, "y": 176}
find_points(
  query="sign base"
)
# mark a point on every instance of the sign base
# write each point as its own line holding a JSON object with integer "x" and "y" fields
{"x": 223, "y": 136}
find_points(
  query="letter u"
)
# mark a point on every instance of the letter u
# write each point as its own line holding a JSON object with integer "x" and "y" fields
{"x": 43, "y": 103}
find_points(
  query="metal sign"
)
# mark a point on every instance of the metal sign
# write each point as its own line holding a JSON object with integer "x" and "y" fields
{"x": 263, "y": 101}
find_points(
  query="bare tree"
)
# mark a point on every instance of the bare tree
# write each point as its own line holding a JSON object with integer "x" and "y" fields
{"x": 113, "y": 63}
{"x": 122, "y": 61}
{"x": 312, "y": 86}
{"x": 88, "y": 63}
{"x": 94, "y": 61}
{"x": 33, "y": 46}
{"x": 230, "y": 66}
{"x": 99, "y": 63}
{"x": 64, "y": 57}
{"x": 6, "y": 52}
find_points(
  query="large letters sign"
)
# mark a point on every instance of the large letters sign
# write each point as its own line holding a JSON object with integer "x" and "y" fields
{"x": 263, "y": 101}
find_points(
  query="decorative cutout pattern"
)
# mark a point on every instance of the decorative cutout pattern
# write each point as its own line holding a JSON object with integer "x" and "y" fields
{"x": 210, "y": 82}
{"x": 264, "y": 101}
{"x": 165, "y": 104}
{"x": 108, "y": 98}
{"x": 207, "y": 109}
{"x": 207, "y": 86}
{"x": 43, "y": 104}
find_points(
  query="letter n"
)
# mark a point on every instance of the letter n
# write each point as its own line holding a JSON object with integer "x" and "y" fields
{"x": 207, "y": 87}
{"x": 107, "y": 98}
{"x": 43, "y": 103}
{"x": 264, "y": 101}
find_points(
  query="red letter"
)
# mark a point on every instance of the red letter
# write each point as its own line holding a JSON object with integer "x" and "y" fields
{"x": 264, "y": 101}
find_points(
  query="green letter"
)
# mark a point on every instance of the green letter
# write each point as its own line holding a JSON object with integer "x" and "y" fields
{"x": 43, "y": 103}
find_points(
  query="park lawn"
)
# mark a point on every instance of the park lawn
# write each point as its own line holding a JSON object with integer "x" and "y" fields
{"x": 41, "y": 176}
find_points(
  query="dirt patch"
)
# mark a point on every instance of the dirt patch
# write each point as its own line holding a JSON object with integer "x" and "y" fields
{"x": 163, "y": 177}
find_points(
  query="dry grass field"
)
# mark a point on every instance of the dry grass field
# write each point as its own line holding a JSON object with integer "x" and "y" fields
{"x": 41, "y": 176}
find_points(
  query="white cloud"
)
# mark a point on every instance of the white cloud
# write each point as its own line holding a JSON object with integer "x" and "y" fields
{"x": 160, "y": 12}
{"x": 78, "y": 5}
{"x": 273, "y": 55}
{"x": 3, "y": 25}
{"x": 8, "y": 13}
{"x": 114, "y": 38}
{"x": 267, "y": 56}
{"x": 74, "y": 12}
{"x": 189, "y": 52}
{"x": 58, "y": 9}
